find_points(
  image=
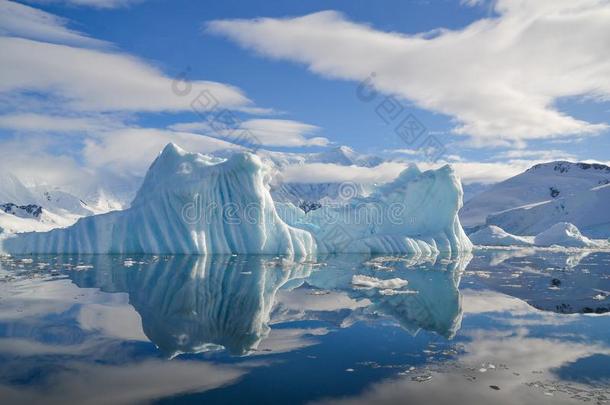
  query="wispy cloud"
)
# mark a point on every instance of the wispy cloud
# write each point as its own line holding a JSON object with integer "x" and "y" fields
{"x": 498, "y": 77}
{"x": 267, "y": 132}
{"x": 27, "y": 22}
{"x": 334, "y": 173}
{"x": 33, "y": 122}
{"x": 93, "y": 80}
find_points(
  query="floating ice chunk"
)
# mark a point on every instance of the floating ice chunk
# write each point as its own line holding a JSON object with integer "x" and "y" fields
{"x": 372, "y": 282}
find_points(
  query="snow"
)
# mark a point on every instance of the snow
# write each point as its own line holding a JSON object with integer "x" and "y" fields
{"x": 564, "y": 234}
{"x": 196, "y": 204}
{"x": 495, "y": 236}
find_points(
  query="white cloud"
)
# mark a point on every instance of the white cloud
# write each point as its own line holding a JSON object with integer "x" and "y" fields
{"x": 329, "y": 172}
{"x": 133, "y": 149}
{"x": 498, "y": 77}
{"x": 29, "y": 158}
{"x": 543, "y": 155}
{"x": 23, "y": 21}
{"x": 32, "y": 122}
{"x": 268, "y": 132}
{"x": 93, "y": 80}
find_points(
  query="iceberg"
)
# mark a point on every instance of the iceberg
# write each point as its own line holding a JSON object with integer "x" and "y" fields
{"x": 191, "y": 203}
{"x": 564, "y": 234}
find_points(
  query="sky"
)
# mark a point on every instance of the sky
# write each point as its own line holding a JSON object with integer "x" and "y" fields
{"x": 90, "y": 88}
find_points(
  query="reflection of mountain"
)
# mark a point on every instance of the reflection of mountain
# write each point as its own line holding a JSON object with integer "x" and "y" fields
{"x": 191, "y": 304}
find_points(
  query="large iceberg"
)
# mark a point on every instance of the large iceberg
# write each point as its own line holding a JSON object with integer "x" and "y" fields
{"x": 196, "y": 204}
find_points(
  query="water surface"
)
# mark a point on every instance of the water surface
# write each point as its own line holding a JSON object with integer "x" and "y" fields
{"x": 503, "y": 326}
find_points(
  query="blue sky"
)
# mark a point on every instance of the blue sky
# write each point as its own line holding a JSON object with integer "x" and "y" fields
{"x": 88, "y": 82}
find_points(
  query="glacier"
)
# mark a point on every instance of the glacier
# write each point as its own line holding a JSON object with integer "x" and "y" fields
{"x": 191, "y": 203}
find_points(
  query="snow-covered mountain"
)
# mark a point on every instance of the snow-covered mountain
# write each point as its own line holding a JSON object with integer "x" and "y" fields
{"x": 533, "y": 201}
{"x": 193, "y": 203}
{"x": 40, "y": 207}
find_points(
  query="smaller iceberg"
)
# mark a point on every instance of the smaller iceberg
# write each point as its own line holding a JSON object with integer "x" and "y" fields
{"x": 564, "y": 234}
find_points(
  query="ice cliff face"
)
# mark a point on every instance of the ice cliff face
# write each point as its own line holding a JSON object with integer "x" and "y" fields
{"x": 195, "y": 204}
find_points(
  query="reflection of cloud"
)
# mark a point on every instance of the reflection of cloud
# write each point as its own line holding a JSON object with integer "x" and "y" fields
{"x": 121, "y": 322}
{"x": 478, "y": 302}
{"x": 78, "y": 383}
{"x": 304, "y": 300}
{"x": 519, "y": 356}
{"x": 286, "y": 340}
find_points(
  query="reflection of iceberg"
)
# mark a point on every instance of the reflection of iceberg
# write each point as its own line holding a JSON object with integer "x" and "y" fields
{"x": 192, "y": 304}
{"x": 435, "y": 306}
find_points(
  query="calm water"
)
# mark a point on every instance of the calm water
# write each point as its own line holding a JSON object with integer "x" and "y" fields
{"x": 510, "y": 327}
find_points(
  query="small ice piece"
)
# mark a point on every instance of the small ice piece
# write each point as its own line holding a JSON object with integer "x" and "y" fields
{"x": 389, "y": 292}
{"x": 599, "y": 297}
{"x": 372, "y": 282}
{"x": 349, "y": 370}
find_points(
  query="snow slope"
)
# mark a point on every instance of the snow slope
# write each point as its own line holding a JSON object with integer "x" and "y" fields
{"x": 544, "y": 183}
{"x": 495, "y": 236}
{"x": 589, "y": 210}
{"x": 196, "y": 204}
